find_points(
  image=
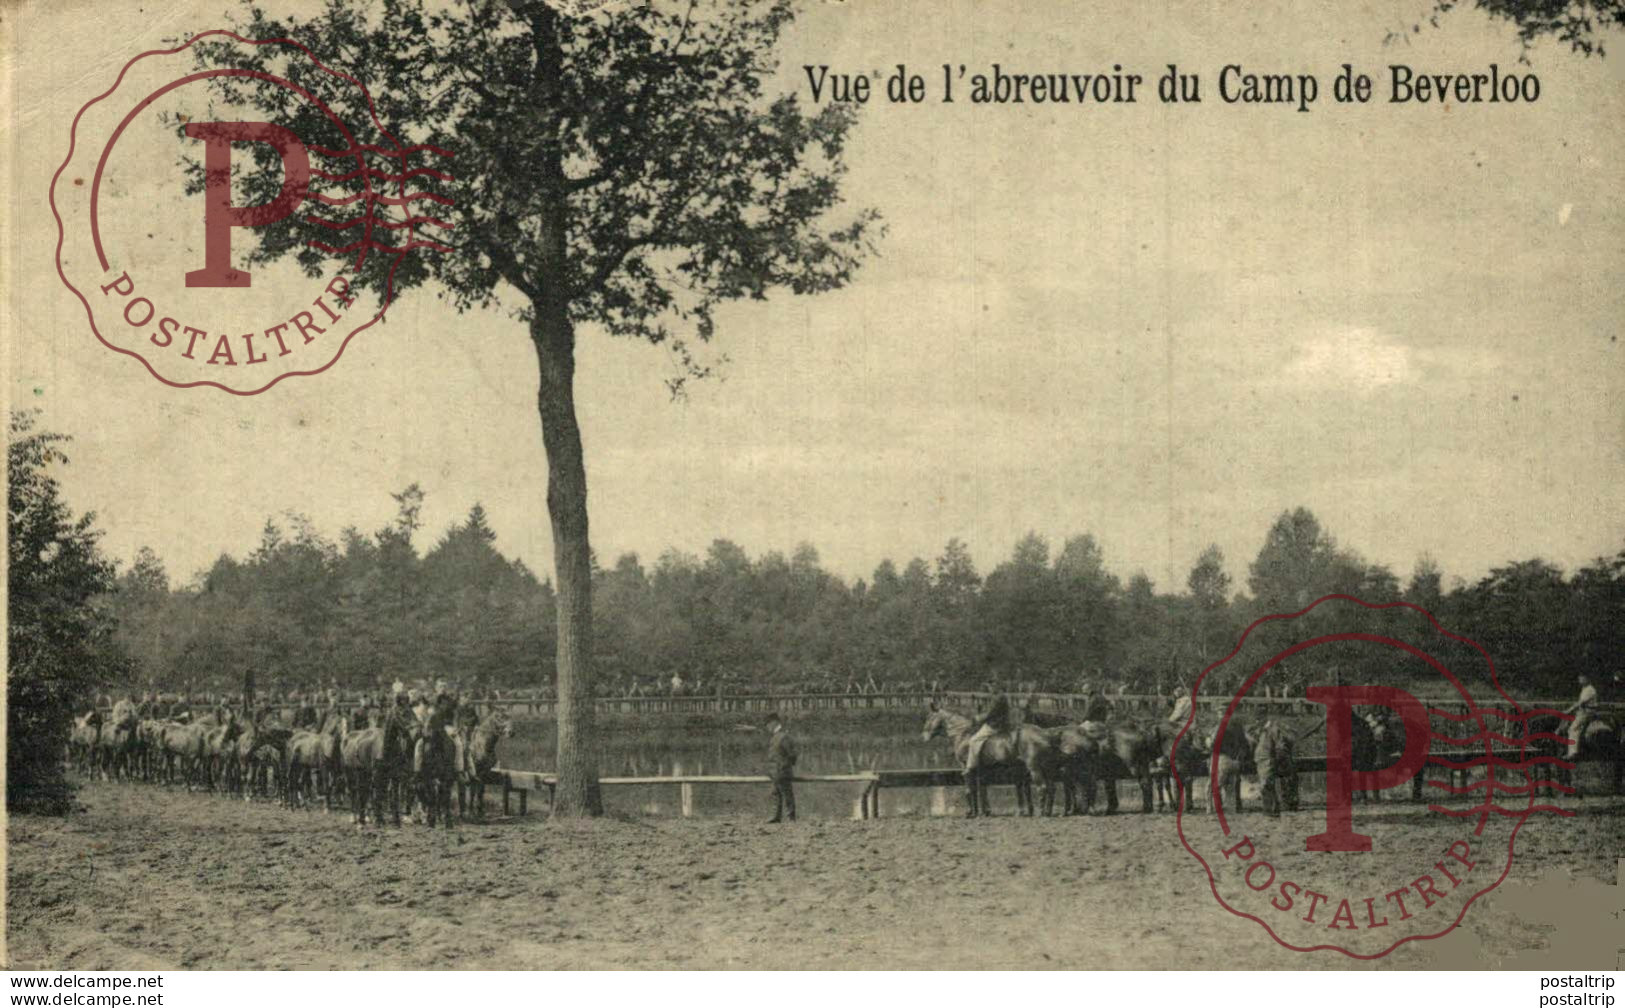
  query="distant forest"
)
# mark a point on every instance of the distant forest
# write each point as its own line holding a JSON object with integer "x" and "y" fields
{"x": 302, "y": 611}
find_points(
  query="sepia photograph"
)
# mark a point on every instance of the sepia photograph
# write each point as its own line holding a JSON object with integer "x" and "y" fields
{"x": 816, "y": 485}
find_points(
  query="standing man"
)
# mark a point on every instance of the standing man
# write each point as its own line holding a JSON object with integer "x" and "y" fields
{"x": 1272, "y": 752}
{"x": 781, "y": 760}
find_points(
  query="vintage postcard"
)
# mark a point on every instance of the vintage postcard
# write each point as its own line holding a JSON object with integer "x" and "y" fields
{"x": 787, "y": 484}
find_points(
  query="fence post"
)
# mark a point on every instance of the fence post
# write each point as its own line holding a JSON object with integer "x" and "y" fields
{"x": 685, "y": 797}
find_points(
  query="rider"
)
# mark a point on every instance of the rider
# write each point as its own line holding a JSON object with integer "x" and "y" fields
{"x": 995, "y": 721}
{"x": 304, "y": 712}
{"x": 1583, "y": 709}
{"x": 1182, "y": 707}
{"x": 1097, "y": 708}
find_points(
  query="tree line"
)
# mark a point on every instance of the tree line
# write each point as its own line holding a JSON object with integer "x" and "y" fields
{"x": 303, "y": 611}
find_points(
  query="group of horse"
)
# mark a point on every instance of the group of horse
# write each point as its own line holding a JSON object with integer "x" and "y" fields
{"x": 390, "y": 757}
{"x": 1047, "y": 750}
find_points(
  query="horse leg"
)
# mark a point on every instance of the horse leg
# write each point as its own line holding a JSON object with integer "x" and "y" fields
{"x": 971, "y": 811}
{"x": 1145, "y": 790}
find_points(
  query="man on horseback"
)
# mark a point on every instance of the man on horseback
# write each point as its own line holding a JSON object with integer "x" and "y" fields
{"x": 1097, "y": 709}
{"x": 1584, "y": 710}
{"x": 1182, "y": 707}
{"x": 996, "y": 721}
{"x": 304, "y": 713}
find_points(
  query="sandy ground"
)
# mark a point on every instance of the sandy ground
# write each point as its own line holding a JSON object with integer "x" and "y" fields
{"x": 149, "y": 878}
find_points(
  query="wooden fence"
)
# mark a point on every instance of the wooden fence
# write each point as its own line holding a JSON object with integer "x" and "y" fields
{"x": 874, "y": 782}
{"x": 1133, "y": 704}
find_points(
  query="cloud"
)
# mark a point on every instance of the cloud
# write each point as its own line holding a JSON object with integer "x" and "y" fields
{"x": 1361, "y": 359}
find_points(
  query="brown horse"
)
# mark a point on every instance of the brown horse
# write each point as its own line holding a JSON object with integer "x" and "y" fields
{"x": 1027, "y": 751}
{"x": 435, "y": 765}
{"x": 479, "y": 757}
{"x": 1107, "y": 753}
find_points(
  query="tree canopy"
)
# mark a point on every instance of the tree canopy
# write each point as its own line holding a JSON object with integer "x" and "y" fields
{"x": 59, "y": 633}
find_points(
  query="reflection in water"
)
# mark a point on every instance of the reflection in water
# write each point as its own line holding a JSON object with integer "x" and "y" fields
{"x": 888, "y": 742}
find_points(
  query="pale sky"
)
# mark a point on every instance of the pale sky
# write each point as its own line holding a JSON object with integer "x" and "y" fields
{"x": 1161, "y": 325}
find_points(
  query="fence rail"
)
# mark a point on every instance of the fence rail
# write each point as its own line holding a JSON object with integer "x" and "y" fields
{"x": 522, "y": 782}
{"x": 1137, "y": 704}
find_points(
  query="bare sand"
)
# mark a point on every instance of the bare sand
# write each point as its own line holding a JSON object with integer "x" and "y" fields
{"x": 149, "y": 878}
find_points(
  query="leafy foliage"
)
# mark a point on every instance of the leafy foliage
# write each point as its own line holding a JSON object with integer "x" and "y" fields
{"x": 684, "y": 183}
{"x": 1580, "y": 23}
{"x": 370, "y": 609}
{"x": 60, "y": 640}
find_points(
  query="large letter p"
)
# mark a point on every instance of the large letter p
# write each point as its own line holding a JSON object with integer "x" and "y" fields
{"x": 219, "y": 215}
{"x": 1341, "y": 777}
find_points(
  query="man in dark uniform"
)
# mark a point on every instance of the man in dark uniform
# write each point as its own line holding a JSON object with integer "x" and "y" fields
{"x": 781, "y": 762}
{"x": 998, "y": 719}
{"x": 1097, "y": 708}
{"x": 304, "y": 713}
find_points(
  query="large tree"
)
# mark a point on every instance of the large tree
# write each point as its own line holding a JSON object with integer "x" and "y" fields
{"x": 624, "y": 174}
{"x": 60, "y": 641}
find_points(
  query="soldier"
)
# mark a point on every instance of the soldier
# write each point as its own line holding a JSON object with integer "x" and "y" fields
{"x": 304, "y": 712}
{"x": 996, "y": 720}
{"x": 1272, "y": 754}
{"x": 401, "y": 702}
{"x": 420, "y": 703}
{"x": 1583, "y": 709}
{"x": 1182, "y": 707}
{"x": 1097, "y": 708}
{"x": 781, "y": 761}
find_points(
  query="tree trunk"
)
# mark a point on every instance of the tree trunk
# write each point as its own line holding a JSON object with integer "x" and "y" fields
{"x": 577, "y": 791}
{"x": 553, "y": 334}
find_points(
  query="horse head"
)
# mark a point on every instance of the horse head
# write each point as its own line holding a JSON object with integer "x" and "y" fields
{"x": 936, "y": 723}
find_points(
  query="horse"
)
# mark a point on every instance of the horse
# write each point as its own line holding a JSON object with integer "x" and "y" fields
{"x": 374, "y": 761}
{"x": 257, "y": 752}
{"x": 149, "y": 754}
{"x": 219, "y": 746}
{"x": 1029, "y": 750}
{"x": 1601, "y": 743}
{"x": 186, "y": 747}
{"x": 1232, "y": 760}
{"x": 437, "y": 757}
{"x": 311, "y": 760}
{"x": 119, "y": 741}
{"x": 479, "y": 757}
{"x": 1104, "y": 752}
{"x": 84, "y": 741}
